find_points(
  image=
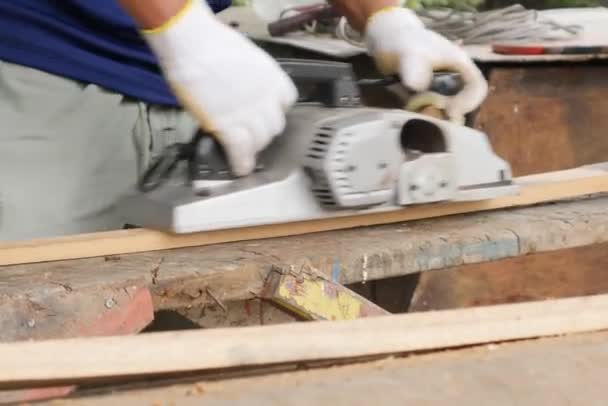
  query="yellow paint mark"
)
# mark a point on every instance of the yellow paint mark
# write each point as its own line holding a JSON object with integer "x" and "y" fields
{"x": 311, "y": 298}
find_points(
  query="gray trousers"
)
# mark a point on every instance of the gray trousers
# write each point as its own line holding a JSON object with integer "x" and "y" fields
{"x": 69, "y": 151}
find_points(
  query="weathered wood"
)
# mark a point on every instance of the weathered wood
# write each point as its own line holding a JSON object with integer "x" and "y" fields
{"x": 548, "y": 187}
{"x": 241, "y": 313}
{"x": 564, "y": 273}
{"x": 236, "y": 271}
{"x": 311, "y": 295}
{"x": 554, "y": 371}
{"x": 547, "y": 118}
{"x": 100, "y": 313}
{"x": 26, "y": 363}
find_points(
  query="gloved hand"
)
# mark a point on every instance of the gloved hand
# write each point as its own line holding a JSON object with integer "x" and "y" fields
{"x": 234, "y": 89}
{"x": 400, "y": 44}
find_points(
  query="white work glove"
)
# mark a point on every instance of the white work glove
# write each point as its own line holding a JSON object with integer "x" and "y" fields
{"x": 400, "y": 44}
{"x": 235, "y": 90}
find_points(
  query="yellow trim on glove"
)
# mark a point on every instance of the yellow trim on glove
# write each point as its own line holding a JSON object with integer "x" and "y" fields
{"x": 171, "y": 21}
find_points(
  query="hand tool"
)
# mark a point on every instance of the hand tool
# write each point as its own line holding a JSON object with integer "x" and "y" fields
{"x": 304, "y": 16}
{"x": 336, "y": 157}
{"x": 445, "y": 83}
{"x": 533, "y": 49}
{"x": 466, "y": 26}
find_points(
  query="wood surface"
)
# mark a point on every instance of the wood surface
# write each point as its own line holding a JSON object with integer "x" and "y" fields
{"x": 313, "y": 296}
{"x": 563, "y": 273}
{"x": 535, "y": 189}
{"x": 560, "y": 371}
{"x": 100, "y": 312}
{"x": 546, "y": 118}
{"x": 237, "y": 271}
{"x": 74, "y": 360}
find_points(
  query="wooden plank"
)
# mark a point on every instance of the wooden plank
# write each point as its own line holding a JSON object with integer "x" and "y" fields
{"x": 71, "y": 314}
{"x": 553, "y": 371}
{"x": 237, "y": 271}
{"x": 311, "y": 295}
{"x": 98, "y": 314}
{"x": 26, "y": 363}
{"x": 536, "y": 189}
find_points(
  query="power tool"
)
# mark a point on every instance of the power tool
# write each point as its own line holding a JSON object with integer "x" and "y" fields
{"x": 336, "y": 157}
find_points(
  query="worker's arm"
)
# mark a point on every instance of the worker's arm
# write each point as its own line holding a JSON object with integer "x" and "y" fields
{"x": 400, "y": 44}
{"x": 149, "y": 14}
{"x": 359, "y": 11}
{"x": 234, "y": 89}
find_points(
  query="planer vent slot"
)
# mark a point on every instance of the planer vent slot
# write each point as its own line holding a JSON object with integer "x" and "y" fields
{"x": 316, "y": 158}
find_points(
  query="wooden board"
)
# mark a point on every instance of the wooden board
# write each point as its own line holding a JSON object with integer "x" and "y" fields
{"x": 126, "y": 312}
{"x": 560, "y": 371}
{"x": 97, "y": 313}
{"x": 237, "y": 271}
{"x": 311, "y": 295}
{"x": 534, "y": 189}
{"x": 74, "y": 360}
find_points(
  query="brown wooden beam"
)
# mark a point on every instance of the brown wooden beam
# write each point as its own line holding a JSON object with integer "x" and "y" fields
{"x": 545, "y": 118}
{"x": 564, "y": 273}
{"x": 118, "y": 358}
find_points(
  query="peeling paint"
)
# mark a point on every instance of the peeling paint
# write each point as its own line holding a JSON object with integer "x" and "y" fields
{"x": 335, "y": 271}
{"x": 457, "y": 254}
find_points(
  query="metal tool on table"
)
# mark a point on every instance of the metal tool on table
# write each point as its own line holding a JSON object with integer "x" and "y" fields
{"x": 301, "y": 17}
{"x": 514, "y": 23}
{"x": 445, "y": 83}
{"x": 544, "y": 49}
{"x": 335, "y": 158}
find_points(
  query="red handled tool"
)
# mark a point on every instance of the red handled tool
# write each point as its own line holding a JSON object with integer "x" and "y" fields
{"x": 531, "y": 49}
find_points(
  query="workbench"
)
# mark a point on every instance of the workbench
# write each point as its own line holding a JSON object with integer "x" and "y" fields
{"x": 538, "y": 117}
{"x": 216, "y": 277}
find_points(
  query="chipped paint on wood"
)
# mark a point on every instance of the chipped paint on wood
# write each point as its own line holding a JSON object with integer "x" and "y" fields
{"x": 446, "y": 255}
{"x": 312, "y": 296}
